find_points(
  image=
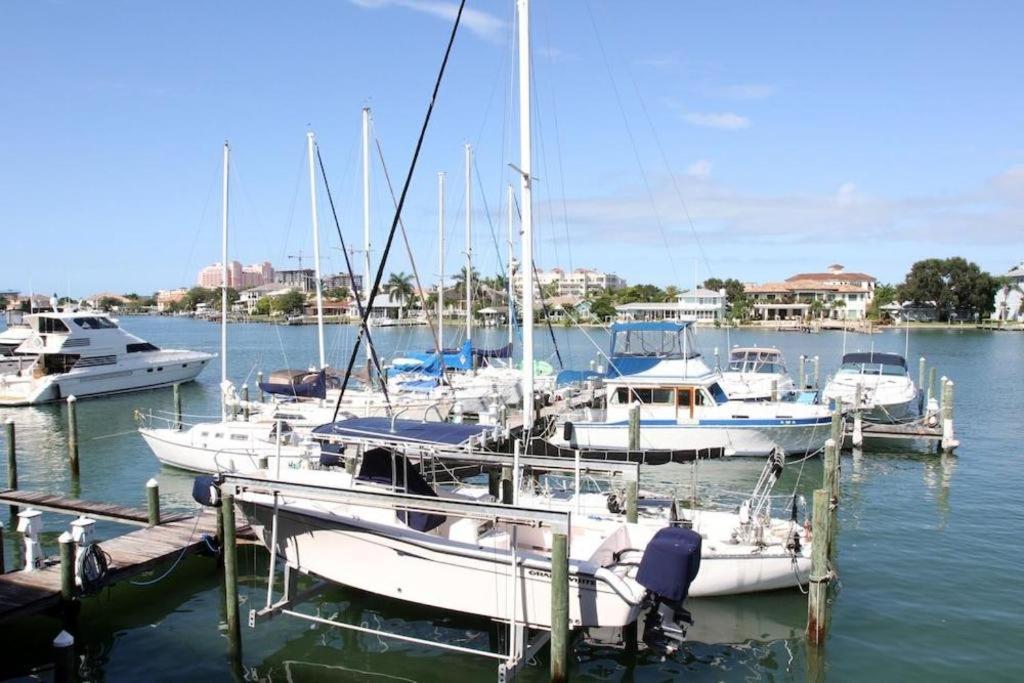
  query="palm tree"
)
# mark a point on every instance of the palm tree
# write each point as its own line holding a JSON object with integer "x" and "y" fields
{"x": 460, "y": 281}
{"x": 400, "y": 287}
{"x": 671, "y": 293}
{"x": 816, "y": 307}
{"x": 836, "y": 304}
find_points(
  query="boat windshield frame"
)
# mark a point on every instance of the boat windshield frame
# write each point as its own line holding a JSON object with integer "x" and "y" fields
{"x": 664, "y": 341}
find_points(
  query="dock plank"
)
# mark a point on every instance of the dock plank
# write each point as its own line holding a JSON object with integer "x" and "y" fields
{"x": 73, "y": 506}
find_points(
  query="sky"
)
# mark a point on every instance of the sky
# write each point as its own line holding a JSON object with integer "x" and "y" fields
{"x": 673, "y": 141}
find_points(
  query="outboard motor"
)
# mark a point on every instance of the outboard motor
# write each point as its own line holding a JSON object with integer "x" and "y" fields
{"x": 670, "y": 564}
{"x": 205, "y": 491}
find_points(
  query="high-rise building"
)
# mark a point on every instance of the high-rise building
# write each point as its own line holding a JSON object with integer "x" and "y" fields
{"x": 239, "y": 277}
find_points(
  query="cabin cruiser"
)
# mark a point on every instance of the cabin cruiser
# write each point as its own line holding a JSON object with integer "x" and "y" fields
{"x": 656, "y": 367}
{"x": 888, "y": 394}
{"x": 753, "y": 372}
{"x": 88, "y": 354}
{"x": 13, "y": 336}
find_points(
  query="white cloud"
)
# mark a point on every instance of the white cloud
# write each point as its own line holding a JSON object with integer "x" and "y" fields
{"x": 699, "y": 169}
{"x": 990, "y": 214}
{"x": 724, "y": 121}
{"x": 483, "y": 24}
{"x": 745, "y": 91}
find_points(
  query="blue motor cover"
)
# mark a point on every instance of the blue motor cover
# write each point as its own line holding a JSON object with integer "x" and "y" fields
{"x": 671, "y": 562}
{"x": 205, "y": 491}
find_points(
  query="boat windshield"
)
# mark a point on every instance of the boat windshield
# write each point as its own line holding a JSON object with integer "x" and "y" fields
{"x": 872, "y": 369}
{"x": 768, "y": 362}
{"x": 654, "y": 343}
{"x": 95, "y": 323}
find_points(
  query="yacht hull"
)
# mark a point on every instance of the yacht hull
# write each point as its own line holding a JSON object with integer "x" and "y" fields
{"x": 176, "y": 448}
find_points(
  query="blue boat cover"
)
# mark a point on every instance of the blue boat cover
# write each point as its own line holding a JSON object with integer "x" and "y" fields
{"x": 652, "y": 326}
{"x": 313, "y": 385}
{"x": 412, "y": 431}
{"x": 391, "y": 469}
{"x": 872, "y": 357}
{"x": 501, "y": 352}
{"x": 430, "y": 363}
{"x": 670, "y": 563}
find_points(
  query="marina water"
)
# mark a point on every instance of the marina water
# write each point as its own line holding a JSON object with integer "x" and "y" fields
{"x": 930, "y": 552}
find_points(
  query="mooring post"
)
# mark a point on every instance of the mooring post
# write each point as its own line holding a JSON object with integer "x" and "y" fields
{"x": 931, "y": 386}
{"x": 803, "y": 372}
{"x": 837, "y": 424}
{"x": 64, "y": 658}
{"x": 230, "y": 553}
{"x": 177, "y": 405}
{"x": 259, "y": 383}
{"x": 153, "y": 501}
{"x": 12, "y": 463}
{"x": 634, "y": 427}
{"x": 858, "y": 423}
{"x": 559, "y": 608}
{"x": 494, "y": 483}
{"x": 506, "y": 485}
{"x": 67, "y": 567}
{"x": 632, "y": 488}
{"x": 817, "y": 590}
{"x": 831, "y": 484}
{"x": 817, "y": 371}
{"x": 942, "y": 393}
{"x": 920, "y": 372}
{"x": 948, "y": 441}
{"x": 73, "y": 435}
{"x": 245, "y": 402}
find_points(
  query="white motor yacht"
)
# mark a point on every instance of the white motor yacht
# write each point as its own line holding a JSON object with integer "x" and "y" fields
{"x": 753, "y": 372}
{"x": 88, "y": 354}
{"x": 656, "y": 366}
{"x": 888, "y": 394}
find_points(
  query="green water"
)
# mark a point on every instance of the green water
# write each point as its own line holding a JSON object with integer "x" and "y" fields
{"x": 930, "y": 554}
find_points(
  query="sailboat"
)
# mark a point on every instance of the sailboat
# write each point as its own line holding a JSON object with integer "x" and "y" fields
{"x": 402, "y": 543}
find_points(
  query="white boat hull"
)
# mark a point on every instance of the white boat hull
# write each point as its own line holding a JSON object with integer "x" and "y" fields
{"x": 185, "y": 451}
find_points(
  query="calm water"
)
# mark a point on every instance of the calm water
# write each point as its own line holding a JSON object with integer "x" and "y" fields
{"x": 930, "y": 553}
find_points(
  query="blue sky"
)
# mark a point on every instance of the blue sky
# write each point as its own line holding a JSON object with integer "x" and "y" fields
{"x": 785, "y": 136}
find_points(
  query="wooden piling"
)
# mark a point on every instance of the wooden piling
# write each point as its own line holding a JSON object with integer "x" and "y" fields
{"x": 948, "y": 440}
{"x": 634, "y": 427}
{"x": 817, "y": 590}
{"x": 831, "y": 484}
{"x": 67, "y": 567}
{"x": 230, "y": 553}
{"x": 506, "y": 485}
{"x": 177, "y": 406}
{"x": 921, "y": 364}
{"x": 837, "y": 426}
{"x": 153, "y": 501}
{"x": 64, "y": 670}
{"x": 858, "y": 422}
{"x": 494, "y": 483}
{"x": 803, "y": 372}
{"x": 245, "y": 402}
{"x": 73, "y": 435}
{"x": 259, "y": 381}
{"x": 631, "y": 501}
{"x": 817, "y": 371}
{"x": 12, "y": 463}
{"x": 559, "y": 608}
{"x": 931, "y": 385}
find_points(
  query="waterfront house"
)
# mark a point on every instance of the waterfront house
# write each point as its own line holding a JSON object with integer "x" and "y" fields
{"x": 837, "y": 294}
{"x": 704, "y": 306}
{"x": 1009, "y": 301}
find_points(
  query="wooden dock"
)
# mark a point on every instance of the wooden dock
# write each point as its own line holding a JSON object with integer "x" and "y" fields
{"x": 26, "y": 593}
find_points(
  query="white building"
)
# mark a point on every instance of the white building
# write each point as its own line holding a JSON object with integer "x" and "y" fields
{"x": 579, "y": 282}
{"x": 248, "y": 298}
{"x": 704, "y": 306}
{"x": 1009, "y": 303}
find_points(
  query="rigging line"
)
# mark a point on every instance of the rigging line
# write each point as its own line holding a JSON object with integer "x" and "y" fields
{"x": 351, "y": 275}
{"x": 412, "y": 260}
{"x": 543, "y": 304}
{"x": 542, "y": 152}
{"x": 401, "y": 203}
{"x": 202, "y": 215}
{"x": 632, "y": 142}
{"x": 490, "y": 222}
{"x": 671, "y": 175}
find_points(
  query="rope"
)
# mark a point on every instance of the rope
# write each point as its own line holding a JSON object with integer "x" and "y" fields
{"x": 401, "y": 203}
{"x": 178, "y": 559}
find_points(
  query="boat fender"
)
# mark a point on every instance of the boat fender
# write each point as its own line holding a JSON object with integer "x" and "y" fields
{"x": 745, "y": 513}
{"x": 567, "y": 432}
{"x": 92, "y": 568}
{"x": 205, "y": 491}
{"x": 794, "y": 545}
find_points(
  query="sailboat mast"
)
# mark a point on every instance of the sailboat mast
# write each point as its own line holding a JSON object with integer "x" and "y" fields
{"x": 469, "y": 242}
{"x": 440, "y": 261}
{"x": 525, "y": 162}
{"x": 310, "y": 143}
{"x": 366, "y": 222}
{"x": 224, "y": 276}
{"x": 509, "y": 285}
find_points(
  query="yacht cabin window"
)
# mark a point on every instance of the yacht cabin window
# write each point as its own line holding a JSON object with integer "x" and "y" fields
{"x": 52, "y": 326}
{"x": 95, "y": 323}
